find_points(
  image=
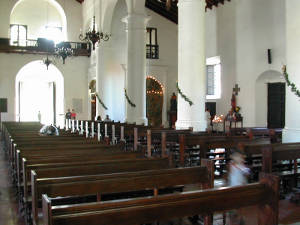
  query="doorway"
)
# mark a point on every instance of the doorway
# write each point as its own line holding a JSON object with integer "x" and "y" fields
{"x": 154, "y": 101}
{"x": 40, "y": 91}
{"x": 276, "y": 105}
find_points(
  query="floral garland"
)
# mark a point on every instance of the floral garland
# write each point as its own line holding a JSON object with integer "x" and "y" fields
{"x": 101, "y": 101}
{"x": 183, "y": 95}
{"x": 128, "y": 100}
{"x": 289, "y": 83}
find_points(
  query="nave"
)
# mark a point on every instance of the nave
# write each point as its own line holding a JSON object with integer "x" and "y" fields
{"x": 9, "y": 207}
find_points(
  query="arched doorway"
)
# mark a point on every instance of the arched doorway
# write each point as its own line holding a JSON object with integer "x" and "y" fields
{"x": 40, "y": 90}
{"x": 154, "y": 101}
{"x": 270, "y": 99}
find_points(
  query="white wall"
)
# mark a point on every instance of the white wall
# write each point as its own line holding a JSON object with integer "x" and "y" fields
{"x": 245, "y": 30}
{"x": 292, "y": 122}
{"x": 36, "y": 20}
{"x": 166, "y": 67}
{"x": 72, "y": 10}
{"x": 240, "y": 32}
{"x": 74, "y": 73}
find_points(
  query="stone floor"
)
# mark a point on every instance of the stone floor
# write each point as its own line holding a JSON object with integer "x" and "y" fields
{"x": 289, "y": 213}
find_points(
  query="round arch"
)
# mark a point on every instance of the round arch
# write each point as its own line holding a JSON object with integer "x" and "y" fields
{"x": 261, "y": 95}
{"x": 56, "y": 5}
{"x": 109, "y": 9}
{"x": 154, "y": 101}
{"x": 38, "y": 89}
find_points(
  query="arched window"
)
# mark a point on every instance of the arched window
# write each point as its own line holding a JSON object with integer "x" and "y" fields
{"x": 18, "y": 34}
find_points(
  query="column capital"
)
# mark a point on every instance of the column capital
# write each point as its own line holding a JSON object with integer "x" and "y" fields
{"x": 136, "y": 21}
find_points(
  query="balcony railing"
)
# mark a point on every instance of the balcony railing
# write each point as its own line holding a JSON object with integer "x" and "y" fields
{"x": 152, "y": 51}
{"x": 41, "y": 46}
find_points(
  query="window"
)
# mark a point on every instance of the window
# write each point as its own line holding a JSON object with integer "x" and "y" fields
{"x": 213, "y": 75}
{"x": 53, "y": 33}
{"x": 18, "y": 34}
{"x": 152, "y": 48}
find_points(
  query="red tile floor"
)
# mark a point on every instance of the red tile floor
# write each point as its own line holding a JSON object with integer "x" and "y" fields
{"x": 289, "y": 213}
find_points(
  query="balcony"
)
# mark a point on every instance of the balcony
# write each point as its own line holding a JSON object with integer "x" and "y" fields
{"x": 42, "y": 46}
{"x": 152, "y": 51}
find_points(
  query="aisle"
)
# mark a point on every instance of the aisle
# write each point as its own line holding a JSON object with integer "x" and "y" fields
{"x": 8, "y": 204}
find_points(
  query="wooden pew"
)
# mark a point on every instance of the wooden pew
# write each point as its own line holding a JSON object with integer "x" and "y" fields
{"x": 253, "y": 152}
{"x": 203, "y": 144}
{"x": 147, "y": 210}
{"x": 270, "y": 156}
{"x": 50, "y": 161}
{"x": 118, "y": 182}
{"x": 92, "y": 167}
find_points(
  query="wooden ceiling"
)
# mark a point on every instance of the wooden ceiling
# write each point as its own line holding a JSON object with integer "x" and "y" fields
{"x": 168, "y": 8}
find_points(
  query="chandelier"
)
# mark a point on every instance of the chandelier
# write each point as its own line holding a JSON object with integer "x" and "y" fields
{"x": 94, "y": 36}
{"x": 64, "y": 50}
{"x": 47, "y": 62}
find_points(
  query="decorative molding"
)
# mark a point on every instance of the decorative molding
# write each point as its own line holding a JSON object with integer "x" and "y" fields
{"x": 183, "y": 95}
{"x": 100, "y": 101}
{"x": 128, "y": 100}
{"x": 289, "y": 83}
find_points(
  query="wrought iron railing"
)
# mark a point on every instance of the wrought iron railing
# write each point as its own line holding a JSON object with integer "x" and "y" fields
{"x": 42, "y": 46}
{"x": 152, "y": 51}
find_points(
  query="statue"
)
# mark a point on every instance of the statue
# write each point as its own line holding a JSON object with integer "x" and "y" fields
{"x": 173, "y": 103}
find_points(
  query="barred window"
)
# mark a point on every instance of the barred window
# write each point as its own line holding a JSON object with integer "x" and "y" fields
{"x": 213, "y": 78}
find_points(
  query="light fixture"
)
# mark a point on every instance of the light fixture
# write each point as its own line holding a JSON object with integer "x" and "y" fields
{"x": 47, "y": 62}
{"x": 94, "y": 36}
{"x": 64, "y": 50}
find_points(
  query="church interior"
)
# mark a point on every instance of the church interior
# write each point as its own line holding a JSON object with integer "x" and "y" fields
{"x": 165, "y": 112}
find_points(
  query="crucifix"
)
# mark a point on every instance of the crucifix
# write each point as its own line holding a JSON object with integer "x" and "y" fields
{"x": 236, "y": 89}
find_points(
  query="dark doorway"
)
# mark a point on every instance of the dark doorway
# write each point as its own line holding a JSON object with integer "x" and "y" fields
{"x": 211, "y": 106}
{"x": 276, "y": 105}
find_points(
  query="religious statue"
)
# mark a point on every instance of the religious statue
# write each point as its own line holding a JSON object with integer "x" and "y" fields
{"x": 173, "y": 103}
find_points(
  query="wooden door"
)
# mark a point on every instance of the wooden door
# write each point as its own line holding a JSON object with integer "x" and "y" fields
{"x": 276, "y": 105}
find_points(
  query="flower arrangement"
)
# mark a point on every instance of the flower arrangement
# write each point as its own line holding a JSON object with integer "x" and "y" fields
{"x": 237, "y": 109}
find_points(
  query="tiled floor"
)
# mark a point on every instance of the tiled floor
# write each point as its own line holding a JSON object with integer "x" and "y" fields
{"x": 288, "y": 214}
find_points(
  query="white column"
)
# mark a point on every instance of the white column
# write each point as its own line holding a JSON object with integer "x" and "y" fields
{"x": 291, "y": 133}
{"x": 73, "y": 126}
{"x": 136, "y": 67}
{"x": 93, "y": 130}
{"x": 86, "y": 129}
{"x": 77, "y": 125}
{"x": 102, "y": 78}
{"x": 191, "y": 64}
{"x": 99, "y": 132}
{"x": 81, "y": 125}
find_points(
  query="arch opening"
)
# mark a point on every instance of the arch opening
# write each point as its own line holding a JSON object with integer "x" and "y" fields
{"x": 261, "y": 95}
{"x": 48, "y": 21}
{"x": 40, "y": 91}
{"x": 154, "y": 101}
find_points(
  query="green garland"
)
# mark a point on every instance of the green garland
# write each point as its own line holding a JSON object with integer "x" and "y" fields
{"x": 289, "y": 83}
{"x": 183, "y": 95}
{"x": 100, "y": 101}
{"x": 128, "y": 100}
